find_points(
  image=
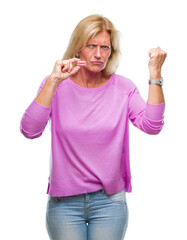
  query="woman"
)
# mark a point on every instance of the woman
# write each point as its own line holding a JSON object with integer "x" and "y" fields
{"x": 89, "y": 107}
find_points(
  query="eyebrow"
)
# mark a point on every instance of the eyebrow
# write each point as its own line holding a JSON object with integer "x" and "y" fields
{"x": 94, "y": 44}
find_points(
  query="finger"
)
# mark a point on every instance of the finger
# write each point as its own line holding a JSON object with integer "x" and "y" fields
{"x": 60, "y": 62}
{"x": 164, "y": 53}
{"x": 73, "y": 60}
{"x": 58, "y": 66}
{"x": 78, "y": 62}
{"x": 151, "y": 51}
{"x": 70, "y": 67}
{"x": 75, "y": 69}
{"x": 81, "y": 63}
{"x": 152, "y": 54}
{"x": 161, "y": 51}
{"x": 66, "y": 67}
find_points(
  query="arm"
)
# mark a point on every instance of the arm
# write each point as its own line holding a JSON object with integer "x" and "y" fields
{"x": 157, "y": 58}
{"x": 148, "y": 117}
{"x": 145, "y": 116}
{"x": 62, "y": 70}
{"x": 37, "y": 114}
{"x": 34, "y": 120}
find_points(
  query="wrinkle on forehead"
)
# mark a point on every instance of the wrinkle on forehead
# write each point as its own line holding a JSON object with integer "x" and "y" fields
{"x": 100, "y": 39}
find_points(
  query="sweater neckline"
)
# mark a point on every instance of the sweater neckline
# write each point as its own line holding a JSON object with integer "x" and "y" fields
{"x": 73, "y": 84}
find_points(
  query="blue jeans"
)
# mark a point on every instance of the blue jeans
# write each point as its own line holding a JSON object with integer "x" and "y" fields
{"x": 88, "y": 216}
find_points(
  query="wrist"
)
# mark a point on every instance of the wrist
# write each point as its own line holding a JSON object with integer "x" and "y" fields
{"x": 156, "y": 81}
{"x": 52, "y": 81}
{"x": 155, "y": 74}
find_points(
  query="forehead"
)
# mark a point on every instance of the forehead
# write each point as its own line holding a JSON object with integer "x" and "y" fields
{"x": 100, "y": 38}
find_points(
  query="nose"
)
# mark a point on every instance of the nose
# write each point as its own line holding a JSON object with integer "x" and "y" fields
{"x": 98, "y": 52}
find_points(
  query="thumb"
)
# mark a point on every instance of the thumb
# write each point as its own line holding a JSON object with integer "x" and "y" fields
{"x": 151, "y": 52}
{"x": 75, "y": 69}
{"x": 78, "y": 65}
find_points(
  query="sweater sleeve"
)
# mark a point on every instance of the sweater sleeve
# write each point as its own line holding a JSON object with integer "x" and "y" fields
{"x": 35, "y": 118}
{"x": 149, "y": 118}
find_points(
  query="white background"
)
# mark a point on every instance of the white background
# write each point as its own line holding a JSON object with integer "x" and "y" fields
{"x": 34, "y": 34}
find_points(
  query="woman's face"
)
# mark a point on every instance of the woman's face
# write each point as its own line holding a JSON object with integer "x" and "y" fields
{"x": 96, "y": 52}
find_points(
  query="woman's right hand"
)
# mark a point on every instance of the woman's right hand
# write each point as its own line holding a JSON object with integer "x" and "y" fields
{"x": 64, "y": 68}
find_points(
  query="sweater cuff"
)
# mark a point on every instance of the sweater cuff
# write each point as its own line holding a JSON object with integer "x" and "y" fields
{"x": 38, "y": 112}
{"x": 155, "y": 111}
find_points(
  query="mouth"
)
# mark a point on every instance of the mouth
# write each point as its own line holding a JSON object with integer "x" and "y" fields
{"x": 97, "y": 62}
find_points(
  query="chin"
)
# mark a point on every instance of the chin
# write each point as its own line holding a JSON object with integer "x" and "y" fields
{"x": 95, "y": 69}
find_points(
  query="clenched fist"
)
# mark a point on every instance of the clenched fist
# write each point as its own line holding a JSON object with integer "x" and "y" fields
{"x": 156, "y": 59}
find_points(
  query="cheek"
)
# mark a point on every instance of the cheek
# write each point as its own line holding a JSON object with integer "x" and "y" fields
{"x": 84, "y": 55}
{"x": 109, "y": 54}
{"x": 107, "y": 58}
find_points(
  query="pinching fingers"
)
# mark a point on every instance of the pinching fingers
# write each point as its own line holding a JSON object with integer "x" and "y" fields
{"x": 81, "y": 63}
{"x": 66, "y": 66}
{"x": 78, "y": 62}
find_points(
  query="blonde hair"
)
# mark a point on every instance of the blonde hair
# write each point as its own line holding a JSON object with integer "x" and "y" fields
{"x": 88, "y": 28}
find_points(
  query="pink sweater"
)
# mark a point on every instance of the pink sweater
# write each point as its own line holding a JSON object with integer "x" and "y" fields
{"x": 90, "y": 134}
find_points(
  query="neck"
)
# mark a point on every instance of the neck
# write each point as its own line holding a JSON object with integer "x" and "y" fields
{"x": 87, "y": 78}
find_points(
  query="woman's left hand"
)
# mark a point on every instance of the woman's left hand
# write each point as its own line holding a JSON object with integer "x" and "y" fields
{"x": 157, "y": 57}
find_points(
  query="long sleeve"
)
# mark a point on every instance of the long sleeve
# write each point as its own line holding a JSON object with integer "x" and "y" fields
{"x": 90, "y": 134}
{"x": 147, "y": 117}
{"x": 35, "y": 118}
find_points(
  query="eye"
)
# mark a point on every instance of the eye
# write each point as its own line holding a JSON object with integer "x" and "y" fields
{"x": 105, "y": 47}
{"x": 91, "y": 46}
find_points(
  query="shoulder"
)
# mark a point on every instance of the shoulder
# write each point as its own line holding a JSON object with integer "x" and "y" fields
{"x": 123, "y": 84}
